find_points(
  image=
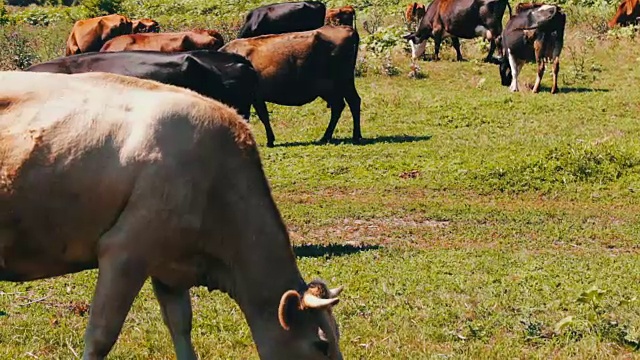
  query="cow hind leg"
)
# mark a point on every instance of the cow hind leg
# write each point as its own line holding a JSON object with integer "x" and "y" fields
{"x": 555, "y": 70}
{"x": 354, "y": 101}
{"x": 541, "y": 66}
{"x": 492, "y": 49}
{"x": 455, "y": 42}
{"x": 121, "y": 275}
{"x": 437, "y": 41}
{"x": 337, "y": 106}
{"x": 177, "y": 315}
{"x": 515, "y": 70}
{"x": 263, "y": 115}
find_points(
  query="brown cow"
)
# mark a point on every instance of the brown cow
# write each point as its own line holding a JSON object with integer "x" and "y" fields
{"x": 628, "y": 13}
{"x": 145, "y": 180}
{"x": 414, "y": 13}
{"x": 167, "y": 42}
{"x": 296, "y": 68}
{"x": 90, "y": 34}
{"x": 345, "y": 15}
{"x": 145, "y": 26}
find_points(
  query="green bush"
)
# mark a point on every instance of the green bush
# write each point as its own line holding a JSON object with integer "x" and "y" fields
{"x": 102, "y": 7}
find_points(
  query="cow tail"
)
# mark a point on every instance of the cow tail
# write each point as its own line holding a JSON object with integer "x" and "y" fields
{"x": 355, "y": 21}
{"x": 415, "y": 6}
{"x": 509, "y": 6}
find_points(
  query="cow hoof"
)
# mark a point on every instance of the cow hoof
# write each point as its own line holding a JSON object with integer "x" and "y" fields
{"x": 323, "y": 141}
{"x": 357, "y": 141}
{"x": 554, "y": 91}
{"x": 270, "y": 144}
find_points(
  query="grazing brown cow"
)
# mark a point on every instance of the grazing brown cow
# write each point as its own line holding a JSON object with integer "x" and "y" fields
{"x": 457, "y": 19}
{"x": 414, "y": 12}
{"x": 90, "y": 34}
{"x": 345, "y": 15}
{"x": 296, "y": 68}
{"x": 535, "y": 33}
{"x": 628, "y": 13}
{"x": 145, "y": 26}
{"x": 167, "y": 42}
{"x": 140, "y": 179}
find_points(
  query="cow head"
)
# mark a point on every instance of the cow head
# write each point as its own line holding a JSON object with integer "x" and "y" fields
{"x": 342, "y": 16}
{"x": 628, "y": 12}
{"x": 310, "y": 328}
{"x": 505, "y": 71}
{"x": 418, "y": 45}
{"x": 542, "y": 17}
{"x": 145, "y": 26}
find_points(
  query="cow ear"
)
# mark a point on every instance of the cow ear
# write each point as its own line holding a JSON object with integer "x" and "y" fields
{"x": 290, "y": 303}
{"x": 629, "y": 6}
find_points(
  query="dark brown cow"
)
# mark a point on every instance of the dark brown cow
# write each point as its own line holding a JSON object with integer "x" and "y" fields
{"x": 296, "y": 68}
{"x": 283, "y": 18}
{"x": 167, "y": 42}
{"x": 464, "y": 19}
{"x": 535, "y": 33}
{"x": 414, "y": 12}
{"x": 628, "y": 13}
{"x": 90, "y": 34}
{"x": 345, "y": 15}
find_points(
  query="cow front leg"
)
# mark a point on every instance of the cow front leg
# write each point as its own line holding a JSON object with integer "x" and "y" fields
{"x": 337, "y": 106}
{"x": 175, "y": 306}
{"x": 541, "y": 66}
{"x": 263, "y": 115}
{"x": 456, "y": 45}
{"x": 555, "y": 70}
{"x": 120, "y": 277}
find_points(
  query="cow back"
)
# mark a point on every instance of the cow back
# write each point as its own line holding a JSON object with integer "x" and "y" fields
{"x": 282, "y": 18}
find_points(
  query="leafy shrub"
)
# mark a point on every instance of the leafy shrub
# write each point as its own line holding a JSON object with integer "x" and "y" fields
{"x": 4, "y": 16}
{"x": 384, "y": 39}
{"x": 102, "y": 7}
{"x": 624, "y": 32}
{"x": 17, "y": 54}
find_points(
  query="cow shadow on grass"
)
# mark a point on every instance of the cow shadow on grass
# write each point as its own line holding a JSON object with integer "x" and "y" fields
{"x": 568, "y": 90}
{"x": 332, "y": 250}
{"x": 396, "y": 139}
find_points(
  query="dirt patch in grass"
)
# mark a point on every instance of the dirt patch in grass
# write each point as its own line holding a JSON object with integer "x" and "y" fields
{"x": 379, "y": 231}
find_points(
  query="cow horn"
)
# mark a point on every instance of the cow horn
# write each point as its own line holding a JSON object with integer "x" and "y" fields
{"x": 333, "y": 293}
{"x": 311, "y": 301}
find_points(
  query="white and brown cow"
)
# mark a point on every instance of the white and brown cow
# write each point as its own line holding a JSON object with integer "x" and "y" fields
{"x": 141, "y": 179}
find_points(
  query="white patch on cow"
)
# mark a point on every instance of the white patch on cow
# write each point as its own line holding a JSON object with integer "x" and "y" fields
{"x": 514, "y": 72}
{"x": 417, "y": 49}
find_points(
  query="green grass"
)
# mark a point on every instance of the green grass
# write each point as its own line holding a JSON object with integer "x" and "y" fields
{"x": 467, "y": 226}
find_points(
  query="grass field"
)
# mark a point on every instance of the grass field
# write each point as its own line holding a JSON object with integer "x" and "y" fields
{"x": 472, "y": 223}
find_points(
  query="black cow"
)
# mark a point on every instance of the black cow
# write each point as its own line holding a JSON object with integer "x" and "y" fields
{"x": 283, "y": 18}
{"x": 228, "y": 78}
{"x": 458, "y": 19}
{"x": 535, "y": 33}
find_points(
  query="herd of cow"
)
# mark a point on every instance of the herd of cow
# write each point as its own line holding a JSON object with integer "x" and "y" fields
{"x": 135, "y": 158}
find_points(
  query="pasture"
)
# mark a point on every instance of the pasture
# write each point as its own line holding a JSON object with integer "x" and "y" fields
{"x": 471, "y": 223}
